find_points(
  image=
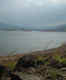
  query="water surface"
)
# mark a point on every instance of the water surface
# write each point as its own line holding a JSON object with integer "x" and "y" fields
{"x": 23, "y": 42}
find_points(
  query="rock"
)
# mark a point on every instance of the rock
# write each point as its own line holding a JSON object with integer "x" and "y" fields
{"x": 49, "y": 78}
{"x": 3, "y": 72}
{"x": 59, "y": 77}
{"x": 30, "y": 77}
{"x": 25, "y": 62}
{"x": 31, "y": 70}
{"x": 56, "y": 64}
{"x": 15, "y": 77}
{"x": 6, "y": 74}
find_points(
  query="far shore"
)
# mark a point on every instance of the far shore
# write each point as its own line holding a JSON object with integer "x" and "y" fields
{"x": 33, "y": 30}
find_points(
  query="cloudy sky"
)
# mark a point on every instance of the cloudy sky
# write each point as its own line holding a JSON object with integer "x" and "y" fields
{"x": 33, "y": 12}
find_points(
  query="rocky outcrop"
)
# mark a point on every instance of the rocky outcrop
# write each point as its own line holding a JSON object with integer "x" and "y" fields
{"x": 28, "y": 61}
{"x": 40, "y": 65}
{"x": 3, "y": 72}
{"x": 6, "y": 74}
{"x": 15, "y": 77}
{"x": 25, "y": 62}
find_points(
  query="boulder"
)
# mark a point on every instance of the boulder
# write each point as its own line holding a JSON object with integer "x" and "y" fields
{"x": 25, "y": 62}
{"x": 15, "y": 77}
{"x": 3, "y": 72}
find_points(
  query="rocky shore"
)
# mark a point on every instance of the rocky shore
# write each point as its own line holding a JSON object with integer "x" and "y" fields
{"x": 39, "y": 65}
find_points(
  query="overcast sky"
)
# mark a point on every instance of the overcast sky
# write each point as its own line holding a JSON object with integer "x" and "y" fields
{"x": 33, "y": 12}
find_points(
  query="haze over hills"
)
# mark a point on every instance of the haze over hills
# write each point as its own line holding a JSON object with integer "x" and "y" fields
{"x": 4, "y": 26}
{"x": 61, "y": 27}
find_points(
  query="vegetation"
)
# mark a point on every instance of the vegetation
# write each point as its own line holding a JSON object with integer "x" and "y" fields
{"x": 47, "y": 65}
{"x": 12, "y": 66}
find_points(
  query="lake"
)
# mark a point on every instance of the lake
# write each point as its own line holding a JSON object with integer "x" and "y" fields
{"x": 24, "y": 42}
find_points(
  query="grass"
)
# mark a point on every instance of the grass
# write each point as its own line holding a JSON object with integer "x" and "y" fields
{"x": 10, "y": 65}
{"x": 61, "y": 60}
{"x": 53, "y": 74}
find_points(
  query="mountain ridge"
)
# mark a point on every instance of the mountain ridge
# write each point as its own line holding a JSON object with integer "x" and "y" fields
{"x": 4, "y": 26}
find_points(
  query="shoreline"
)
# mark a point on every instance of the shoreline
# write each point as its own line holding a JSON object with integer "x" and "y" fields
{"x": 28, "y": 66}
{"x": 49, "y": 52}
{"x": 35, "y": 51}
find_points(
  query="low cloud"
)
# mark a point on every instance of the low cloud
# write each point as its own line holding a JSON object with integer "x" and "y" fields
{"x": 33, "y": 12}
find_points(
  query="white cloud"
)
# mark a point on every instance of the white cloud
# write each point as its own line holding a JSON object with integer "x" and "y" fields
{"x": 38, "y": 3}
{"x": 58, "y": 1}
{"x": 33, "y": 11}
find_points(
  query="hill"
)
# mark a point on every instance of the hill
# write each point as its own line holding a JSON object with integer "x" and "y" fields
{"x": 59, "y": 28}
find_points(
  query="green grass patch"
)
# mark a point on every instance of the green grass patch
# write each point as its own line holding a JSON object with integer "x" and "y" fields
{"x": 11, "y": 65}
{"x": 53, "y": 74}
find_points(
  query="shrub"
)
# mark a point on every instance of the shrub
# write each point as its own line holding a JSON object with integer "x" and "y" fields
{"x": 11, "y": 65}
